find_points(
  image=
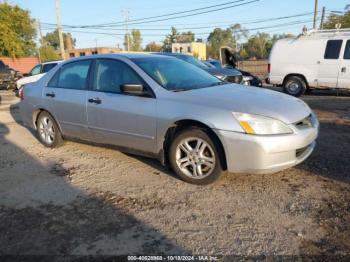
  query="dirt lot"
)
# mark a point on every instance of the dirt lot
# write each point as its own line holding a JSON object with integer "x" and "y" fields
{"x": 82, "y": 199}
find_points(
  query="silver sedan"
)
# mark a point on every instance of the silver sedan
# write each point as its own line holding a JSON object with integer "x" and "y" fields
{"x": 165, "y": 108}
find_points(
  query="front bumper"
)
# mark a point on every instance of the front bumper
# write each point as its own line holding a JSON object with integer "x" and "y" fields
{"x": 266, "y": 154}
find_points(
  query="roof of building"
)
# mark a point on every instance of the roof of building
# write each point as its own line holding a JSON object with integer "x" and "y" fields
{"x": 23, "y": 65}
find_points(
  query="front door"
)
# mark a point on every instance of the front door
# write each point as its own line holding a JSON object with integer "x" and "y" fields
{"x": 66, "y": 98}
{"x": 329, "y": 66}
{"x": 344, "y": 74}
{"x": 117, "y": 118}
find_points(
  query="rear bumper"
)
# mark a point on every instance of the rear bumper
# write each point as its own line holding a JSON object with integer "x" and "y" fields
{"x": 266, "y": 154}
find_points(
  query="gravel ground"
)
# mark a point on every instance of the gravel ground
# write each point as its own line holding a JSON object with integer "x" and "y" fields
{"x": 87, "y": 200}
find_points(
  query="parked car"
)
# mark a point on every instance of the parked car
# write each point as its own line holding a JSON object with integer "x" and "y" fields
{"x": 248, "y": 78}
{"x": 315, "y": 59}
{"x": 36, "y": 73}
{"x": 233, "y": 76}
{"x": 166, "y": 108}
{"x": 8, "y": 76}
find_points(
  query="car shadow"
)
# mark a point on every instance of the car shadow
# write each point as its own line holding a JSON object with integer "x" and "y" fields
{"x": 43, "y": 214}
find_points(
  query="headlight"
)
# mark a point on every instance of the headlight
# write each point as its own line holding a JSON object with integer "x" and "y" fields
{"x": 221, "y": 77}
{"x": 261, "y": 125}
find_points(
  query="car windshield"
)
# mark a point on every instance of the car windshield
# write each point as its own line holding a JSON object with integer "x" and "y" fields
{"x": 176, "y": 75}
{"x": 194, "y": 61}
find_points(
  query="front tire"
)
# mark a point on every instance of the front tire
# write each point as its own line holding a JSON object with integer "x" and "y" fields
{"x": 295, "y": 86}
{"x": 48, "y": 132}
{"x": 194, "y": 156}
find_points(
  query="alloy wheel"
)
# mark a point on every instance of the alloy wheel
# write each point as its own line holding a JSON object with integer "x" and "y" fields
{"x": 47, "y": 130}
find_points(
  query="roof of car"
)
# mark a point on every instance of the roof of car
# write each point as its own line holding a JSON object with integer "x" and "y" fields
{"x": 52, "y": 62}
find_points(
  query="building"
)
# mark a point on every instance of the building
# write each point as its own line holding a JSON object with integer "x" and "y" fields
{"x": 70, "y": 53}
{"x": 196, "y": 49}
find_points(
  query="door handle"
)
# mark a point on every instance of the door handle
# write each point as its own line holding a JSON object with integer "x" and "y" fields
{"x": 318, "y": 62}
{"x": 95, "y": 100}
{"x": 343, "y": 69}
{"x": 52, "y": 94}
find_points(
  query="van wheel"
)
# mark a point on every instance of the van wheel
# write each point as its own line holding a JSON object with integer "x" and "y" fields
{"x": 195, "y": 157}
{"x": 48, "y": 131}
{"x": 295, "y": 86}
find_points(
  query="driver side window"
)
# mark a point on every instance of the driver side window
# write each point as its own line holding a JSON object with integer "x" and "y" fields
{"x": 110, "y": 75}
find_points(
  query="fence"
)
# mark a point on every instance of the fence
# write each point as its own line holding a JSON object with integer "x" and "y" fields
{"x": 255, "y": 67}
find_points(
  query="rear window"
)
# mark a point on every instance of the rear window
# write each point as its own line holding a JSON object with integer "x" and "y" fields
{"x": 347, "y": 50}
{"x": 333, "y": 49}
{"x": 48, "y": 67}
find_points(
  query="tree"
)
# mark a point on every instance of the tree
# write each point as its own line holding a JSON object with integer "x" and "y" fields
{"x": 185, "y": 37}
{"x": 135, "y": 40}
{"x": 52, "y": 39}
{"x": 153, "y": 47}
{"x": 219, "y": 38}
{"x": 170, "y": 39}
{"x": 47, "y": 53}
{"x": 17, "y": 31}
{"x": 334, "y": 19}
{"x": 258, "y": 46}
{"x": 238, "y": 33}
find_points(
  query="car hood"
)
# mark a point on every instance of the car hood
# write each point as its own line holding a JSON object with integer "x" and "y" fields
{"x": 224, "y": 71}
{"x": 238, "y": 98}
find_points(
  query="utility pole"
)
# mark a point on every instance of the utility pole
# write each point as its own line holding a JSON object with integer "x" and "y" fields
{"x": 59, "y": 28}
{"x": 322, "y": 17}
{"x": 126, "y": 18}
{"x": 38, "y": 25}
{"x": 315, "y": 13}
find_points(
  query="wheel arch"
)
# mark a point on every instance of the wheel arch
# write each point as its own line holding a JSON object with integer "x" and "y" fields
{"x": 183, "y": 124}
{"x": 297, "y": 75}
{"x": 36, "y": 114}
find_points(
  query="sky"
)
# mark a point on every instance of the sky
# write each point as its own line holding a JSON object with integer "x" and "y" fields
{"x": 84, "y": 12}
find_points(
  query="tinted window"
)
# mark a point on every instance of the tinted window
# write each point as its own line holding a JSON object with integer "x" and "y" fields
{"x": 48, "y": 67}
{"x": 333, "y": 49}
{"x": 74, "y": 75}
{"x": 36, "y": 70}
{"x": 111, "y": 74}
{"x": 175, "y": 74}
{"x": 347, "y": 50}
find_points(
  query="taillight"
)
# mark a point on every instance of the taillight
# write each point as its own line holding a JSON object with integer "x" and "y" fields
{"x": 21, "y": 93}
{"x": 269, "y": 68}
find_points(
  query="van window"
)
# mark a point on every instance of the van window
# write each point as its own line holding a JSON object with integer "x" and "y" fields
{"x": 74, "y": 75}
{"x": 347, "y": 50}
{"x": 333, "y": 49}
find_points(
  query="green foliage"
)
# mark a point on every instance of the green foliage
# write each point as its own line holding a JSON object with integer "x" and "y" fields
{"x": 170, "y": 39}
{"x": 52, "y": 39}
{"x": 185, "y": 37}
{"x": 17, "y": 32}
{"x": 219, "y": 38}
{"x": 334, "y": 19}
{"x": 47, "y": 53}
{"x": 153, "y": 47}
{"x": 135, "y": 40}
{"x": 258, "y": 46}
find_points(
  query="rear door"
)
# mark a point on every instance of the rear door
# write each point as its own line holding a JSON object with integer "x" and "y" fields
{"x": 66, "y": 98}
{"x": 117, "y": 118}
{"x": 344, "y": 74}
{"x": 329, "y": 65}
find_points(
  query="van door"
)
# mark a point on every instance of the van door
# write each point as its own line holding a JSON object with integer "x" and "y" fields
{"x": 344, "y": 74}
{"x": 329, "y": 65}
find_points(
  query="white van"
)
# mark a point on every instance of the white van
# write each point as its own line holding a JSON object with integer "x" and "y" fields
{"x": 316, "y": 59}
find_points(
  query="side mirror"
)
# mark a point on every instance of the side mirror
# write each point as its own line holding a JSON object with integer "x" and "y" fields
{"x": 134, "y": 89}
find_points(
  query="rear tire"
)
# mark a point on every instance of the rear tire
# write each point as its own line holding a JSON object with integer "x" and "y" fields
{"x": 295, "y": 86}
{"x": 48, "y": 132}
{"x": 195, "y": 157}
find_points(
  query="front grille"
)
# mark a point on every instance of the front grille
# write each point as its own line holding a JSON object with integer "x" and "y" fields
{"x": 234, "y": 79}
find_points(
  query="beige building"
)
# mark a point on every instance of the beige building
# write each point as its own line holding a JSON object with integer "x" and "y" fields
{"x": 70, "y": 53}
{"x": 196, "y": 49}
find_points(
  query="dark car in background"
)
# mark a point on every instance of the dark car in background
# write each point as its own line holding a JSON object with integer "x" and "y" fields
{"x": 248, "y": 78}
{"x": 228, "y": 75}
{"x": 8, "y": 76}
